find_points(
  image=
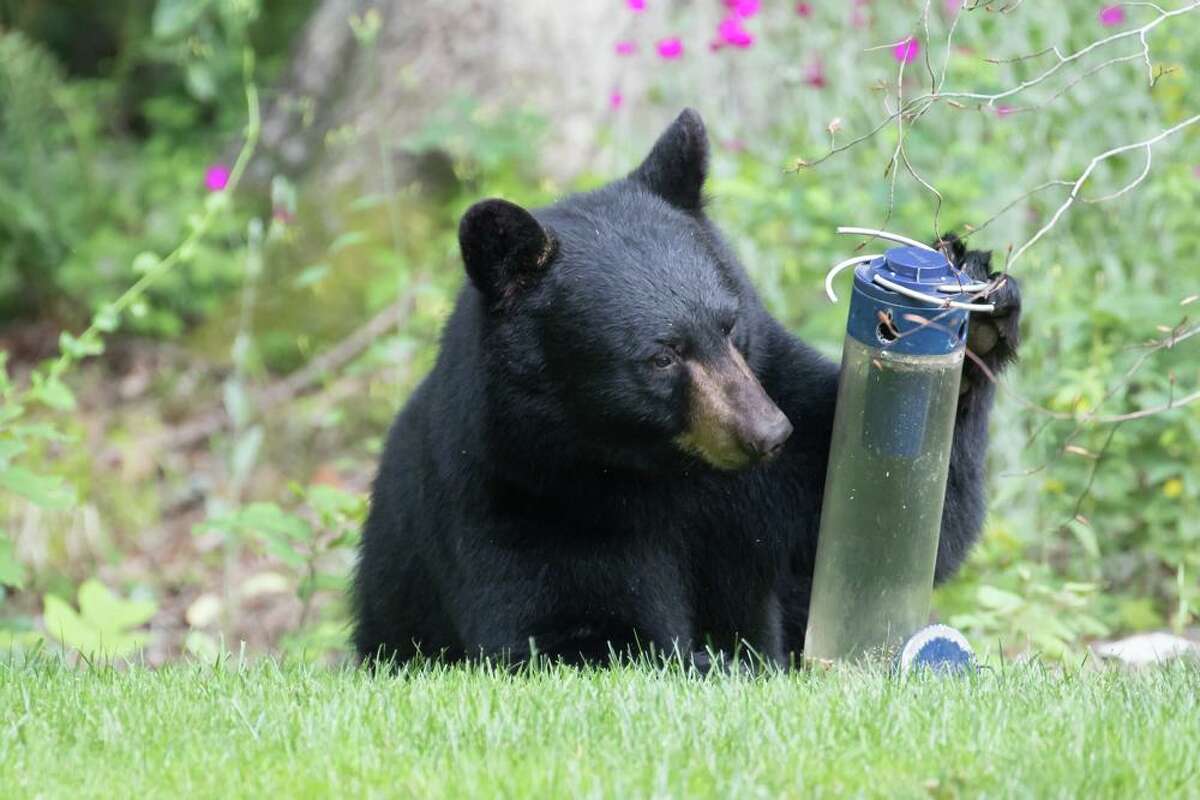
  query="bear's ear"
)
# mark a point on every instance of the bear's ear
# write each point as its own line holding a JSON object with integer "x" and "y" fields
{"x": 503, "y": 247}
{"x": 678, "y": 163}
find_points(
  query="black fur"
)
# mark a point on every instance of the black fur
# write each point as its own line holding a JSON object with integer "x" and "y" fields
{"x": 531, "y": 495}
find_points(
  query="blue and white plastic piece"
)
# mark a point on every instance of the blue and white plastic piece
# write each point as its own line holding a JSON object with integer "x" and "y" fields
{"x": 938, "y": 648}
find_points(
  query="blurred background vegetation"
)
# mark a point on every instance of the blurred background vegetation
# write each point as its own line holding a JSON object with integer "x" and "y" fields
{"x": 202, "y": 346}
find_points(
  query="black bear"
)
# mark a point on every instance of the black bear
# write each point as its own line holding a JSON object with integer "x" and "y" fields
{"x": 619, "y": 449}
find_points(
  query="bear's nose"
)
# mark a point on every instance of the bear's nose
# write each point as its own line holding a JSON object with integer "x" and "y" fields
{"x": 770, "y": 435}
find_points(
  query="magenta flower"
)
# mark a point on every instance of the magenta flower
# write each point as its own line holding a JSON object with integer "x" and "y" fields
{"x": 216, "y": 177}
{"x": 906, "y": 52}
{"x": 743, "y": 8}
{"x": 814, "y": 74}
{"x": 670, "y": 48}
{"x": 616, "y": 99}
{"x": 626, "y": 47}
{"x": 636, "y": 5}
{"x": 1111, "y": 15}
{"x": 730, "y": 31}
{"x": 952, "y": 6}
{"x": 1004, "y": 111}
{"x": 804, "y": 9}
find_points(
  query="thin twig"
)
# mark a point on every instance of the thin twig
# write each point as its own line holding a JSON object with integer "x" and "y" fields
{"x": 1074, "y": 195}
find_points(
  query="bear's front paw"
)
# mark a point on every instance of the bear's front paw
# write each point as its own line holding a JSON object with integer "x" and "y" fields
{"x": 992, "y": 337}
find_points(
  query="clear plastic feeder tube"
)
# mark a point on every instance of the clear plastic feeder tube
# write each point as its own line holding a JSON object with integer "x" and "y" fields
{"x": 889, "y": 457}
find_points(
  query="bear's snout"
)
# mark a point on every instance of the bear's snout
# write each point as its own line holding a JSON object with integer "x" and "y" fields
{"x": 732, "y": 422}
{"x": 768, "y": 437}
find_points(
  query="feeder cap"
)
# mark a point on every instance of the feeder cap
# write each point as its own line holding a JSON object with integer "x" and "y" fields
{"x": 914, "y": 268}
{"x": 918, "y": 264}
{"x": 921, "y": 270}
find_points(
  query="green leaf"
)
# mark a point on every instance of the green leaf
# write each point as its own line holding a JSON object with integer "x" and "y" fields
{"x": 330, "y": 502}
{"x": 65, "y": 625}
{"x": 53, "y": 393}
{"x": 281, "y": 548}
{"x": 46, "y": 491}
{"x": 310, "y": 275}
{"x": 106, "y": 611}
{"x": 89, "y": 345}
{"x": 270, "y": 518}
{"x": 144, "y": 262}
{"x": 1086, "y": 538}
{"x": 991, "y": 597}
{"x": 347, "y": 239}
{"x": 9, "y": 449}
{"x": 173, "y": 18}
{"x": 200, "y": 81}
{"x": 102, "y": 625}
{"x": 40, "y": 430}
{"x": 106, "y": 319}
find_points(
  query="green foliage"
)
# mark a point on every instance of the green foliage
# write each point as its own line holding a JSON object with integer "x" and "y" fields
{"x": 292, "y": 538}
{"x": 80, "y": 209}
{"x": 315, "y": 542}
{"x": 105, "y": 626}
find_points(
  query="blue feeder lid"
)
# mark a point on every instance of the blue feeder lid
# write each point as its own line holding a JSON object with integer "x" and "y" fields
{"x": 912, "y": 326}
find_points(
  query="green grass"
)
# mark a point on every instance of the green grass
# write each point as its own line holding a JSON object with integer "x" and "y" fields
{"x": 293, "y": 731}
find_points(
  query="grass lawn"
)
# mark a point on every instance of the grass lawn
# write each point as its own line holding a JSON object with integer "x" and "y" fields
{"x": 283, "y": 732}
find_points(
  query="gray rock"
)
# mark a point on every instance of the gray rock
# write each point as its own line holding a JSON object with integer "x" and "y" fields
{"x": 1147, "y": 648}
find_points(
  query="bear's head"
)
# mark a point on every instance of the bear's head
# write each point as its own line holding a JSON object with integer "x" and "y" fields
{"x": 620, "y": 316}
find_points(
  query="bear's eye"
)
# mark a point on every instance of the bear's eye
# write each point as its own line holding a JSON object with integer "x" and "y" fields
{"x": 663, "y": 359}
{"x": 727, "y": 327}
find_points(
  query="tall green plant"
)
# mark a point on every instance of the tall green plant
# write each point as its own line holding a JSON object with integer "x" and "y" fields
{"x": 21, "y": 425}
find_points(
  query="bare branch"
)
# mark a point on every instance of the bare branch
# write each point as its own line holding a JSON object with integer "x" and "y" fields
{"x": 1074, "y": 82}
{"x": 1087, "y": 173}
{"x": 990, "y": 99}
{"x": 1148, "y": 412}
{"x": 1135, "y": 182}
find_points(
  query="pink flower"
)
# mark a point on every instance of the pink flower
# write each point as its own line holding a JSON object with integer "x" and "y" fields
{"x": 616, "y": 99}
{"x": 734, "y": 145}
{"x": 216, "y": 177}
{"x": 730, "y": 31}
{"x": 906, "y": 52}
{"x": 814, "y": 74}
{"x": 743, "y": 8}
{"x": 1111, "y": 15}
{"x": 952, "y": 6}
{"x": 626, "y": 47}
{"x": 804, "y": 9}
{"x": 858, "y": 19}
{"x": 1196, "y": 171}
{"x": 1004, "y": 111}
{"x": 636, "y": 5}
{"x": 670, "y": 48}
